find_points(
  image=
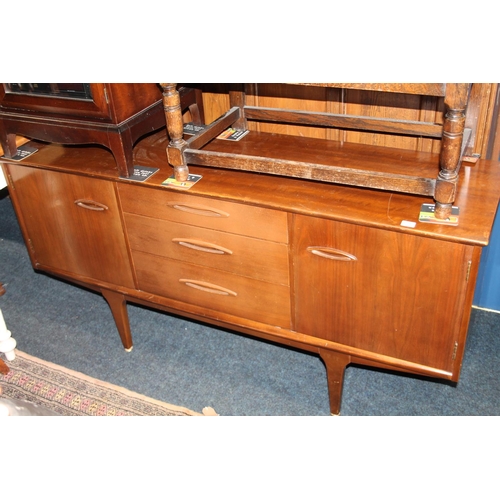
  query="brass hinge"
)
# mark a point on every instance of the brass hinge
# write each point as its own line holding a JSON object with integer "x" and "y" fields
{"x": 469, "y": 265}
{"x": 106, "y": 95}
{"x": 455, "y": 348}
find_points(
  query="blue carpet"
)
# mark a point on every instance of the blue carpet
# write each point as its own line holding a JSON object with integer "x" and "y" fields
{"x": 190, "y": 364}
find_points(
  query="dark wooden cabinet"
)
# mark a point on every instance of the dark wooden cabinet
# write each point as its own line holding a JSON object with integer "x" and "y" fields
{"x": 114, "y": 115}
{"x": 344, "y": 272}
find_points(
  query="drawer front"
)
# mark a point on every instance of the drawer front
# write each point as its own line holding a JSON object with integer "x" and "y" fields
{"x": 258, "y": 259}
{"x": 225, "y": 216}
{"x": 215, "y": 290}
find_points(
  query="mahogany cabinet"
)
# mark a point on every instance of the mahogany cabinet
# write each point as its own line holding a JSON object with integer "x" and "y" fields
{"x": 332, "y": 270}
{"x": 114, "y": 115}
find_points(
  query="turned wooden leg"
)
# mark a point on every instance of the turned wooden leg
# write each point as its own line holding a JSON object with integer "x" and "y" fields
{"x": 118, "y": 306}
{"x": 451, "y": 148}
{"x": 175, "y": 129}
{"x": 335, "y": 367}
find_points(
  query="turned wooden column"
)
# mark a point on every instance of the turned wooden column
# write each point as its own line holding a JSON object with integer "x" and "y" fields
{"x": 451, "y": 147}
{"x": 175, "y": 129}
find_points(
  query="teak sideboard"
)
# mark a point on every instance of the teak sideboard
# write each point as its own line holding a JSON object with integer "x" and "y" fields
{"x": 346, "y": 272}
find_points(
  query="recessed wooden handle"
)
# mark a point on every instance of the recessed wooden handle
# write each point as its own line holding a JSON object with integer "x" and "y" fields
{"x": 202, "y": 246}
{"x": 199, "y": 210}
{"x": 91, "y": 205}
{"x": 208, "y": 287}
{"x": 332, "y": 253}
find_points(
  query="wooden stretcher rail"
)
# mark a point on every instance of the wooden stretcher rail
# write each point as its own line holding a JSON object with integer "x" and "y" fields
{"x": 386, "y": 125}
{"x": 326, "y": 173}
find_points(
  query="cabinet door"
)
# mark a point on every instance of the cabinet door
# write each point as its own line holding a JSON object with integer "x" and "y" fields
{"x": 386, "y": 292}
{"x": 71, "y": 224}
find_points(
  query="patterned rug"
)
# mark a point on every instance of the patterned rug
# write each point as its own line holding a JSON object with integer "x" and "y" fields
{"x": 69, "y": 393}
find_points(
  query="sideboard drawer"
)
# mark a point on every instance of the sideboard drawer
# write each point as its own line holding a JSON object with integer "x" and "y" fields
{"x": 251, "y": 257}
{"x": 213, "y": 289}
{"x": 226, "y": 216}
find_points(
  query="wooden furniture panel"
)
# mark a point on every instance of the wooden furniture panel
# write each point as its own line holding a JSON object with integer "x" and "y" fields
{"x": 377, "y": 290}
{"x": 214, "y": 289}
{"x": 71, "y": 224}
{"x": 385, "y": 105}
{"x": 366, "y": 100}
{"x": 312, "y": 99}
{"x": 230, "y": 217}
{"x": 481, "y": 116}
{"x": 251, "y": 257}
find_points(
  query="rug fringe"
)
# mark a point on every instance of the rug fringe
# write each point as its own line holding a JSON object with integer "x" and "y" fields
{"x": 69, "y": 392}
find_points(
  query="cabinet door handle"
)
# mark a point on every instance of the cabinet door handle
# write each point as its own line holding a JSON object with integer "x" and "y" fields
{"x": 202, "y": 246}
{"x": 332, "y": 253}
{"x": 208, "y": 287}
{"x": 199, "y": 210}
{"x": 91, "y": 205}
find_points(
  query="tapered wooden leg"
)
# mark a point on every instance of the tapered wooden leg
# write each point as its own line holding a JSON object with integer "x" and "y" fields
{"x": 335, "y": 367}
{"x": 118, "y": 306}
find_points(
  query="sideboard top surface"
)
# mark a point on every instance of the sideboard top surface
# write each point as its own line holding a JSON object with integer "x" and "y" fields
{"x": 477, "y": 199}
